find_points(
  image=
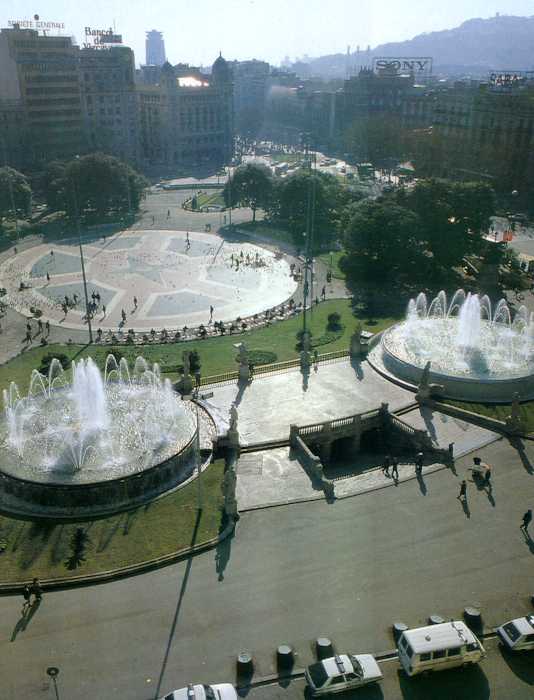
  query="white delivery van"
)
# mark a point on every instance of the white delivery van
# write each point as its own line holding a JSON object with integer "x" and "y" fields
{"x": 438, "y": 647}
{"x": 518, "y": 634}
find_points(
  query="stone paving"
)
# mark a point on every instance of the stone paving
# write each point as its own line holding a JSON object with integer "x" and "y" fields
{"x": 271, "y": 403}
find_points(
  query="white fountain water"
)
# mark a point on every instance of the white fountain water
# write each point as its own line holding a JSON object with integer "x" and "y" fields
{"x": 93, "y": 426}
{"x": 465, "y": 341}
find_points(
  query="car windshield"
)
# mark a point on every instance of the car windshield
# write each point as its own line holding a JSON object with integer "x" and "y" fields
{"x": 210, "y": 694}
{"x": 512, "y": 631}
{"x": 318, "y": 675}
{"x": 358, "y": 670}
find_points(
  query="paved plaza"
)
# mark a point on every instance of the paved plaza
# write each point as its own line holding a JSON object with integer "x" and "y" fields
{"x": 174, "y": 276}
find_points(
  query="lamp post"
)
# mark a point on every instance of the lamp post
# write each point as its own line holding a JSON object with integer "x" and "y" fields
{"x": 10, "y": 188}
{"x": 199, "y": 467}
{"x": 308, "y": 236}
{"x": 76, "y": 215}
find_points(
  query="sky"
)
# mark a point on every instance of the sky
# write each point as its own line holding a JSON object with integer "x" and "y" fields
{"x": 196, "y": 30}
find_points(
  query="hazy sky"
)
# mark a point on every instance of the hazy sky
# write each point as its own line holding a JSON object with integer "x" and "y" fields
{"x": 195, "y": 30}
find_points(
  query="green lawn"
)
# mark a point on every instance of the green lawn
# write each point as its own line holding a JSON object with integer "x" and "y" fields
{"x": 208, "y": 199}
{"x": 217, "y": 354}
{"x": 263, "y": 228}
{"x": 332, "y": 259}
{"x": 43, "y": 548}
{"x": 499, "y": 411}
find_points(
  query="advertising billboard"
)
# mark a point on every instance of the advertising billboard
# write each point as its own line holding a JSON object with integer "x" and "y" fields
{"x": 420, "y": 66}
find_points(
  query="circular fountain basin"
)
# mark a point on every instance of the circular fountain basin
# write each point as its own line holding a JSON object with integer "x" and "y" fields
{"x": 498, "y": 366}
{"x": 97, "y": 442}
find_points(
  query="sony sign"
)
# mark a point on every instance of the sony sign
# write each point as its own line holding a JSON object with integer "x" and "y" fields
{"x": 398, "y": 65}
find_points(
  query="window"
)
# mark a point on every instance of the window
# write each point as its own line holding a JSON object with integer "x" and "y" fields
{"x": 425, "y": 657}
{"x": 472, "y": 647}
{"x": 337, "y": 680}
{"x": 409, "y": 650}
{"x": 454, "y": 651}
{"x": 439, "y": 654}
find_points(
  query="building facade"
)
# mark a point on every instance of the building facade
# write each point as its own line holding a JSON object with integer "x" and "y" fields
{"x": 40, "y": 84}
{"x": 250, "y": 80}
{"x": 155, "y": 48}
{"x": 109, "y": 101}
{"x": 187, "y": 120}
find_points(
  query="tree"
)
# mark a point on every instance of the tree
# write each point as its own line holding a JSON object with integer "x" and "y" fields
{"x": 14, "y": 191}
{"x": 451, "y": 215}
{"x": 382, "y": 243}
{"x": 291, "y": 197}
{"x": 377, "y": 138}
{"x": 250, "y": 186}
{"x": 96, "y": 184}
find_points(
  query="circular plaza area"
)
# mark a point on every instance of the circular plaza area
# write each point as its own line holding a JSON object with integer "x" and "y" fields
{"x": 159, "y": 279}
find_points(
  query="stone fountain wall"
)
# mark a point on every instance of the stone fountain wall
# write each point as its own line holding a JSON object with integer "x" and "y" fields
{"x": 31, "y": 498}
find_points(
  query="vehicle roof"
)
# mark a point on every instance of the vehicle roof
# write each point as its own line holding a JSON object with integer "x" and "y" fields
{"x": 432, "y": 637}
{"x": 331, "y": 667}
{"x": 525, "y": 625}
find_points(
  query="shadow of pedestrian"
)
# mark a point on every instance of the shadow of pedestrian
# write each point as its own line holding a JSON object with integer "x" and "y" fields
{"x": 465, "y": 507}
{"x": 28, "y": 611}
{"x": 223, "y": 550}
{"x": 242, "y": 384}
{"x": 528, "y": 540}
{"x": 421, "y": 483}
{"x": 518, "y": 445}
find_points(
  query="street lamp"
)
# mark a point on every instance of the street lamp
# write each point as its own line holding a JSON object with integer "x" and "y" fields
{"x": 76, "y": 215}
{"x": 10, "y": 188}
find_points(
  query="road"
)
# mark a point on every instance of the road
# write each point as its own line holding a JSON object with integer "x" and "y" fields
{"x": 500, "y": 676}
{"x": 345, "y": 570}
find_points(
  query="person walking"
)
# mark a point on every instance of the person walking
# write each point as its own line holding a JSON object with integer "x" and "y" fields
{"x": 462, "y": 496}
{"x": 135, "y": 302}
{"x": 103, "y": 309}
{"x": 47, "y": 327}
{"x": 419, "y": 463}
{"x": 36, "y": 589}
{"x": 123, "y": 315}
{"x": 527, "y": 519}
{"x": 168, "y": 213}
{"x": 395, "y": 469}
{"x": 323, "y": 293}
{"x": 26, "y": 594}
{"x": 48, "y": 277}
{"x": 39, "y": 326}
{"x": 386, "y": 465}
{"x": 211, "y": 313}
{"x": 487, "y": 476}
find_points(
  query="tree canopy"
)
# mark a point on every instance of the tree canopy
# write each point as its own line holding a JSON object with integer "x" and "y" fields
{"x": 250, "y": 186}
{"x": 95, "y": 184}
{"x": 14, "y": 191}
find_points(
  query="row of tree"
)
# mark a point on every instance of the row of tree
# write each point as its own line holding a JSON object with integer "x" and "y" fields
{"x": 94, "y": 186}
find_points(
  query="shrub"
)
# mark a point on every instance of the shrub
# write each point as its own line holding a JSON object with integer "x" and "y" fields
{"x": 334, "y": 322}
{"x": 47, "y": 361}
{"x": 262, "y": 357}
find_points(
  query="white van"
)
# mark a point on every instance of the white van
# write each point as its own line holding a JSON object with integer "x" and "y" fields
{"x": 438, "y": 647}
{"x": 518, "y": 634}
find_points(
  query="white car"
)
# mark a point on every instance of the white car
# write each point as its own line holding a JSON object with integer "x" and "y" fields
{"x": 221, "y": 691}
{"x": 342, "y": 672}
{"x": 518, "y": 634}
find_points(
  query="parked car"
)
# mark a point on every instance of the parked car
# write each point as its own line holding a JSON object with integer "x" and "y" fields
{"x": 342, "y": 672}
{"x": 518, "y": 634}
{"x": 221, "y": 691}
{"x": 438, "y": 647}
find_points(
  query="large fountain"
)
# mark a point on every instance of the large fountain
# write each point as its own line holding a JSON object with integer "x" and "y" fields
{"x": 476, "y": 352}
{"x": 84, "y": 439}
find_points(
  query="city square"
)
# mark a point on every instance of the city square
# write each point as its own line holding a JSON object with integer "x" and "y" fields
{"x": 266, "y": 354}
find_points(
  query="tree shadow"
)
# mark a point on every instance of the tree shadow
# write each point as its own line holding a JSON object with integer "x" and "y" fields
{"x": 179, "y": 602}
{"x": 223, "y": 550}
{"x": 39, "y": 530}
{"x": 79, "y": 542}
{"x": 105, "y": 539}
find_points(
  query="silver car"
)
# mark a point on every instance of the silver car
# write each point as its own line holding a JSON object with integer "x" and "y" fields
{"x": 221, "y": 691}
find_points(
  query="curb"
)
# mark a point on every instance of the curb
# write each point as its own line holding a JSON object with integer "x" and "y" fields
{"x": 132, "y": 570}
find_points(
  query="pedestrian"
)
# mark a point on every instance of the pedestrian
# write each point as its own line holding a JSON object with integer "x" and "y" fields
{"x": 323, "y": 293}
{"x": 527, "y": 519}
{"x": 135, "y": 302}
{"x": 123, "y": 314}
{"x": 211, "y": 312}
{"x": 36, "y": 589}
{"x": 385, "y": 465}
{"x": 462, "y": 496}
{"x": 419, "y": 463}
{"x": 395, "y": 469}
{"x": 26, "y": 594}
{"x": 315, "y": 357}
{"x": 197, "y": 378}
{"x": 28, "y": 327}
{"x": 487, "y": 476}
{"x": 40, "y": 326}
{"x": 51, "y": 253}
{"x": 75, "y": 298}
{"x": 187, "y": 238}
{"x": 15, "y": 250}
{"x": 152, "y": 219}
{"x": 28, "y": 338}
{"x": 168, "y": 213}
{"x": 103, "y": 309}
{"x": 97, "y": 295}
{"x": 48, "y": 277}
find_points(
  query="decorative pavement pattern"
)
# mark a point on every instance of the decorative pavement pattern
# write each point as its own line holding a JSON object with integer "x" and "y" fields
{"x": 175, "y": 277}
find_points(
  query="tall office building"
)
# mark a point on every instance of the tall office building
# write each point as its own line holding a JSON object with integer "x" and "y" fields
{"x": 155, "y": 48}
{"x": 40, "y": 87}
